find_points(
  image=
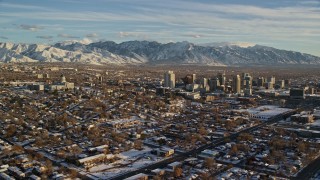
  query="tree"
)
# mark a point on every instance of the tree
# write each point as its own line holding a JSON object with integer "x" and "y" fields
{"x": 73, "y": 173}
{"x": 17, "y": 148}
{"x": 76, "y": 150}
{"x": 203, "y": 131}
{"x": 208, "y": 163}
{"x": 301, "y": 147}
{"x": 49, "y": 167}
{"x": 233, "y": 150}
{"x": 138, "y": 144}
{"x": 11, "y": 130}
{"x": 178, "y": 172}
{"x": 206, "y": 176}
{"x": 157, "y": 177}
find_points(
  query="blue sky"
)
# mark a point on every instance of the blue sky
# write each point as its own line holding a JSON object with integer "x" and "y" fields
{"x": 284, "y": 24}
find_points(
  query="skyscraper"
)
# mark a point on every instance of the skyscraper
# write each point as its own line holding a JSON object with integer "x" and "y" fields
{"x": 261, "y": 81}
{"x": 272, "y": 79}
{"x": 194, "y": 77}
{"x": 204, "y": 82}
{"x": 169, "y": 79}
{"x": 248, "y": 80}
{"x": 214, "y": 84}
{"x": 222, "y": 78}
{"x": 236, "y": 84}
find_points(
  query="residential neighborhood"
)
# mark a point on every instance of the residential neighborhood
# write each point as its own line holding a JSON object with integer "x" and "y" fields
{"x": 91, "y": 122}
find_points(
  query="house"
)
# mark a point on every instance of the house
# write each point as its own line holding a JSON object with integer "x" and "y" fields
{"x": 34, "y": 177}
{"x": 16, "y": 172}
{"x": 58, "y": 177}
{"x": 6, "y": 176}
{"x": 124, "y": 123}
{"x": 158, "y": 172}
{"x": 302, "y": 118}
{"x": 4, "y": 168}
{"x": 164, "y": 152}
{"x": 174, "y": 165}
{"x": 208, "y": 153}
{"x": 140, "y": 176}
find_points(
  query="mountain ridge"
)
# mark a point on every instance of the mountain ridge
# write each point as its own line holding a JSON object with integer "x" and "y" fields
{"x": 152, "y": 52}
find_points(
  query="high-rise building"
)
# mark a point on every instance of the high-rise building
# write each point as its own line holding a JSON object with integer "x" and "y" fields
{"x": 248, "y": 82}
{"x": 269, "y": 85}
{"x": 222, "y": 78}
{"x": 194, "y": 77}
{"x": 169, "y": 79}
{"x": 281, "y": 84}
{"x": 236, "y": 84}
{"x": 272, "y": 79}
{"x": 204, "y": 82}
{"x": 243, "y": 75}
{"x": 214, "y": 84}
{"x": 261, "y": 81}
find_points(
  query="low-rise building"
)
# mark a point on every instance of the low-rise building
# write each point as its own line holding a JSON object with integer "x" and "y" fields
{"x": 94, "y": 160}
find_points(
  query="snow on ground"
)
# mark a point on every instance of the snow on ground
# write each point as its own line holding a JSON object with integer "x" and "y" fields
{"x": 315, "y": 123}
{"x": 131, "y": 160}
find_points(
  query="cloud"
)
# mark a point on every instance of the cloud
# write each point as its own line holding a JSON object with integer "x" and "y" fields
{"x": 82, "y": 41}
{"x": 21, "y": 6}
{"x": 139, "y": 35}
{"x": 68, "y": 36}
{"x": 92, "y": 35}
{"x": 125, "y": 34}
{"x": 29, "y": 27}
{"x": 259, "y": 22}
{"x": 44, "y": 37}
{"x": 311, "y": 3}
{"x": 193, "y": 35}
{"x": 3, "y": 37}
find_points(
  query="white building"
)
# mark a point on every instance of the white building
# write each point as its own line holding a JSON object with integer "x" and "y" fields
{"x": 169, "y": 79}
{"x": 266, "y": 112}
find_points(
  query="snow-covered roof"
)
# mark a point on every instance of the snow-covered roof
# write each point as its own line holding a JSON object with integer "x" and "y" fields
{"x": 267, "y": 111}
{"x": 92, "y": 158}
{"x": 136, "y": 176}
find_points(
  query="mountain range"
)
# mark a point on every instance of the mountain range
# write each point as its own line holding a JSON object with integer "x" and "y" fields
{"x": 150, "y": 52}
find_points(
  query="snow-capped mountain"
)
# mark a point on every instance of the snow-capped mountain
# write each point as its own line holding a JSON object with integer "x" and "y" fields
{"x": 146, "y": 52}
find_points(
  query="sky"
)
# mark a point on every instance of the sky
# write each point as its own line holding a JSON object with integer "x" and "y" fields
{"x": 284, "y": 24}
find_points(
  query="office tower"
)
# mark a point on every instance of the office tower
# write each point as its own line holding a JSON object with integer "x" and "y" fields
{"x": 169, "y": 79}
{"x": 222, "y": 78}
{"x": 236, "y": 84}
{"x": 269, "y": 85}
{"x": 248, "y": 82}
{"x": 247, "y": 92}
{"x": 261, "y": 81}
{"x": 281, "y": 83}
{"x": 194, "y": 77}
{"x": 188, "y": 79}
{"x": 272, "y": 79}
{"x": 243, "y": 75}
{"x": 214, "y": 84}
{"x": 204, "y": 82}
